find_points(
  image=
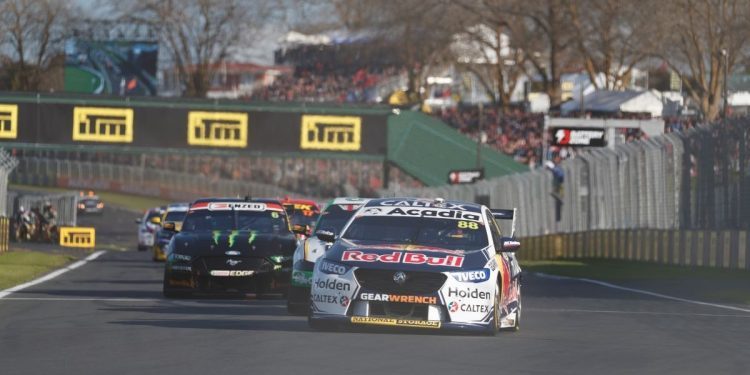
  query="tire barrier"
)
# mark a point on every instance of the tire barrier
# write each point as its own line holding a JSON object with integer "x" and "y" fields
{"x": 703, "y": 248}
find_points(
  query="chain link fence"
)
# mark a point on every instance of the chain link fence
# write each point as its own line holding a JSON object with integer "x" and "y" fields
{"x": 7, "y": 165}
{"x": 65, "y": 204}
{"x": 696, "y": 180}
{"x": 135, "y": 180}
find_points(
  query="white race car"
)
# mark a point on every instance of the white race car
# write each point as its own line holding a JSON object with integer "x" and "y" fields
{"x": 148, "y": 225}
{"x": 336, "y": 214}
{"x": 405, "y": 262}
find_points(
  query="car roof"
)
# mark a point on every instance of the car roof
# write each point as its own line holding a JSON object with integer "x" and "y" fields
{"x": 288, "y": 200}
{"x": 424, "y": 202}
{"x": 255, "y": 200}
{"x": 178, "y": 207}
{"x": 349, "y": 200}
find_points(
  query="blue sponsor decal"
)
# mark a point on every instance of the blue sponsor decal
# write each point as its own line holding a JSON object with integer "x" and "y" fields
{"x": 332, "y": 268}
{"x": 472, "y": 276}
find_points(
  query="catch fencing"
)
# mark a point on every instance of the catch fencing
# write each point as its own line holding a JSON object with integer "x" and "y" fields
{"x": 65, "y": 204}
{"x": 153, "y": 182}
{"x": 698, "y": 180}
{"x": 7, "y": 164}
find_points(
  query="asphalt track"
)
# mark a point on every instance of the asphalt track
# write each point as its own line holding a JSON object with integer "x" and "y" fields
{"x": 108, "y": 317}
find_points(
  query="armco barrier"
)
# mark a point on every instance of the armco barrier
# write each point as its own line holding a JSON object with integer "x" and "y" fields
{"x": 710, "y": 248}
{"x": 134, "y": 180}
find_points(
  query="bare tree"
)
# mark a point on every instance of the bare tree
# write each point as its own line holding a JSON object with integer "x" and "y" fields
{"x": 702, "y": 37}
{"x": 487, "y": 52}
{"x": 32, "y": 33}
{"x": 612, "y": 37}
{"x": 201, "y": 34}
{"x": 416, "y": 32}
{"x": 540, "y": 29}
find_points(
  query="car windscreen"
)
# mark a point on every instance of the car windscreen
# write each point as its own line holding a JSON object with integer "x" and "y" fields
{"x": 303, "y": 214}
{"x": 152, "y": 214}
{"x": 444, "y": 233}
{"x": 334, "y": 218}
{"x": 175, "y": 216}
{"x": 260, "y": 221}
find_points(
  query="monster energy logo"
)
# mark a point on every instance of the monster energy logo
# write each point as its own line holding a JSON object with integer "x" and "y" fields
{"x": 232, "y": 237}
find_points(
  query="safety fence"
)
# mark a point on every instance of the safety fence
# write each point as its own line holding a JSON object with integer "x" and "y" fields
{"x": 134, "y": 180}
{"x": 713, "y": 248}
{"x": 65, "y": 204}
{"x": 7, "y": 164}
{"x": 696, "y": 180}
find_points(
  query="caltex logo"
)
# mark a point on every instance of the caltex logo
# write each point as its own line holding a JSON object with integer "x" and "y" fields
{"x": 453, "y": 306}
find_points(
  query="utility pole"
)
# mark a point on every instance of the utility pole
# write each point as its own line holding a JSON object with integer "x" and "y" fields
{"x": 479, "y": 135}
{"x": 725, "y": 60}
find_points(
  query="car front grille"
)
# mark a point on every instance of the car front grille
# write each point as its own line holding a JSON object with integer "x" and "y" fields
{"x": 418, "y": 283}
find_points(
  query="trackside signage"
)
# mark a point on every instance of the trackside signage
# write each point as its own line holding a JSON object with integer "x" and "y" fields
{"x": 579, "y": 137}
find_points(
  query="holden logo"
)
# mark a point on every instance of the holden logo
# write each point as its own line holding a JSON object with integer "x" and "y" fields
{"x": 399, "y": 278}
{"x": 233, "y": 262}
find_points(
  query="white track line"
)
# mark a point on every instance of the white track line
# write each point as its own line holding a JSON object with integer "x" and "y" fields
{"x": 641, "y": 291}
{"x": 636, "y": 313}
{"x": 51, "y": 275}
{"x": 76, "y": 299}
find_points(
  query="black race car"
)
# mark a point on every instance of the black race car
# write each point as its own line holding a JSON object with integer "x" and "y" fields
{"x": 89, "y": 203}
{"x": 230, "y": 245}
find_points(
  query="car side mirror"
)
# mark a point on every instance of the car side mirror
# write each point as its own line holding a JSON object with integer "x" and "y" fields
{"x": 510, "y": 245}
{"x": 155, "y": 220}
{"x": 138, "y": 220}
{"x": 326, "y": 235}
{"x": 170, "y": 226}
{"x": 301, "y": 229}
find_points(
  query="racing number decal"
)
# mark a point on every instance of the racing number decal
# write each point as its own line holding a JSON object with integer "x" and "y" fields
{"x": 468, "y": 225}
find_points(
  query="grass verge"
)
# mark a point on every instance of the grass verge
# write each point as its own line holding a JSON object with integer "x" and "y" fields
{"x": 699, "y": 282}
{"x": 126, "y": 201}
{"x": 17, "y": 267}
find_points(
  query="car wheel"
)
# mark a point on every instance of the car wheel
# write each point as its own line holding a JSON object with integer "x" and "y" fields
{"x": 494, "y": 325}
{"x": 142, "y": 247}
{"x": 170, "y": 293}
{"x": 517, "y": 323}
{"x": 296, "y": 309}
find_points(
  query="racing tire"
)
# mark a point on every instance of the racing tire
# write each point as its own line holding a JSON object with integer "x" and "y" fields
{"x": 494, "y": 325}
{"x": 296, "y": 309}
{"x": 317, "y": 325}
{"x": 173, "y": 294}
{"x": 517, "y": 323}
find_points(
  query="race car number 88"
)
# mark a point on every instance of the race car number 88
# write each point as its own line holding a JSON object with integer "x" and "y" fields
{"x": 468, "y": 225}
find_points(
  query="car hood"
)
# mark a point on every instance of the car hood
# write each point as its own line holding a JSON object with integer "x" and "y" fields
{"x": 246, "y": 243}
{"x": 405, "y": 256}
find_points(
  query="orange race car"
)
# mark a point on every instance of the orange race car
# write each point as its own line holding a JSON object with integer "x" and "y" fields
{"x": 302, "y": 212}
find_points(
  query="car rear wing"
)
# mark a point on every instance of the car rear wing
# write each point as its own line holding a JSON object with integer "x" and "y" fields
{"x": 506, "y": 214}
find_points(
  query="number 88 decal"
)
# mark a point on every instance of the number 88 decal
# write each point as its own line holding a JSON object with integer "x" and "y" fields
{"x": 468, "y": 225}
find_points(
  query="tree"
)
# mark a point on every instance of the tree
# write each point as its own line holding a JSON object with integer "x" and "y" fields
{"x": 612, "y": 37}
{"x": 416, "y": 32}
{"x": 488, "y": 53}
{"x": 540, "y": 29}
{"x": 32, "y": 33}
{"x": 702, "y": 37}
{"x": 201, "y": 34}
